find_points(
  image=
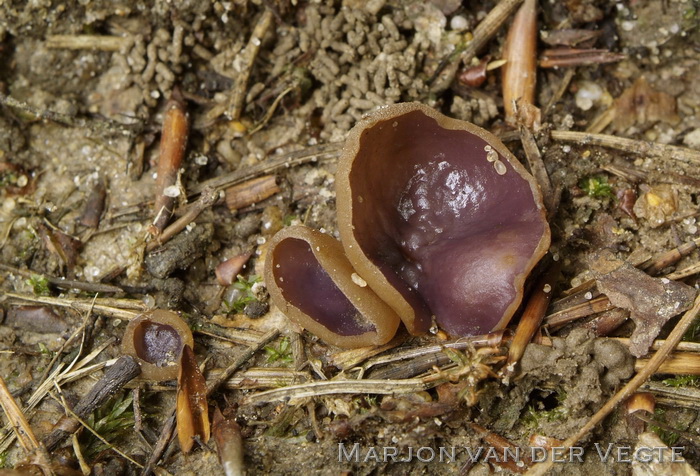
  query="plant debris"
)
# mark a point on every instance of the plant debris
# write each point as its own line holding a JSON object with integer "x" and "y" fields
{"x": 651, "y": 301}
{"x": 192, "y": 408}
{"x": 642, "y": 105}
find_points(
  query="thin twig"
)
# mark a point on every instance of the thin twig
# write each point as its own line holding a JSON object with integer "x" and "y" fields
{"x": 65, "y": 283}
{"x": 633, "y": 146}
{"x": 242, "y": 359}
{"x": 119, "y": 308}
{"x": 118, "y": 375}
{"x": 559, "y": 93}
{"x": 671, "y": 257}
{"x": 578, "y": 311}
{"x": 240, "y": 87}
{"x": 103, "y": 126}
{"x": 489, "y": 26}
{"x": 19, "y": 423}
{"x": 206, "y": 200}
{"x": 318, "y": 153}
{"x": 334, "y": 387}
{"x": 89, "y": 42}
{"x": 82, "y": 422}
{"x": 534, "y": 158}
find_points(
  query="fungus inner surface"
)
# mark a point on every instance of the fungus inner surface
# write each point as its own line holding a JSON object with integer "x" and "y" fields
{"x": 157, "y": 344}
{"x": 309, "y": 288}
{"x": 443, "y": 212}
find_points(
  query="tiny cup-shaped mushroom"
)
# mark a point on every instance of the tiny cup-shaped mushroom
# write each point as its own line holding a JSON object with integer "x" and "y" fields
{"x": 312, "y": 282}
{"x": 156, "y": 339}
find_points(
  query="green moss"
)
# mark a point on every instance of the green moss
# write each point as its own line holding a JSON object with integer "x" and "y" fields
{"x": 39, "y": 284}
{"x": 596, "y": 186}
{"x": 245, "y": 286}
{"x": 282, "y": 353}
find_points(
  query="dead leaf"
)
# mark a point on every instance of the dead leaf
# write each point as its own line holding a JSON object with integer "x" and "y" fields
{"x": 651, "y": 301}
{"x": 192, "y": 408}
{"x": 64, "y": 246}
{"x": 642, "y": 105}
{"x": 229, "y": 444}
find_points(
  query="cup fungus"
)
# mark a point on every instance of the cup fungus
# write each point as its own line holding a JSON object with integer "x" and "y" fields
{"x": 156, "y": 339}
{"x": 436, "y": 217}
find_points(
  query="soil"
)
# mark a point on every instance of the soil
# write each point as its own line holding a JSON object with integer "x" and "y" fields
{"x": 319, "y": 68}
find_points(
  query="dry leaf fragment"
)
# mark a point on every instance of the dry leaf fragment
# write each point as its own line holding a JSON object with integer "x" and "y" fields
{"x": 229, "y": 444}
{"x": 61, "y": 244}
{"x": 641, "y": 104}
{"x": 192, "y": 408}
{"x": 227, "y": 270}
{"x": 651, "y": 301}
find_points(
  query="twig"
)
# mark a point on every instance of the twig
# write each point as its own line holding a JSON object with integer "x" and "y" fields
{"x": 679, "y": 363}
{"x": 688, "y": 397}
{"x": 119, "y": 308}
{"x": 318, "y": 153}
{"x": 118, "y": 375}
{"x": 242, "y": 359}
{"x": 534, "y": 158}
{"x": 66, "y": 120}
{"x": 671, "y": 257}
{"x": 206, "y": 200}
{"x": 82, "y": 422}
{"x": 270, "y": 111}
{"x": 646, "y": 417}
{"x": 251, "y": 192}
{"x": 240, "y": 87}
{"x": 630, "y": 145}
{"x": 311, "y": 154}
{"x": 89, "y": 42}
{"x": 19, "y": 423}
{"x": 317, "y": 389}
{"x": 424, "y": 358}
{"x": 631, "y": 386}
{"x": 568, "y": 57}
{"x": 445, "y": 74}
{"x": 65, "y": 283}
{"x": 565, "y": 316}
{"x": 248, "y": 337}
{"x": 685, "y": 272}
{"x": 561, "y": 89}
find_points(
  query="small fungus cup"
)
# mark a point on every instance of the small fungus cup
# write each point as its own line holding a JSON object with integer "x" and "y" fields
{"x": 436, "y": 218}
{"x": 156, "y": 339}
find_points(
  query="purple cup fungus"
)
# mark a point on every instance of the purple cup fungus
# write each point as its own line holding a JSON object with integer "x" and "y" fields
{"x": 436, "y": 218}
{"x": 156, "y": 339}
{"x": 313, "y": 283}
